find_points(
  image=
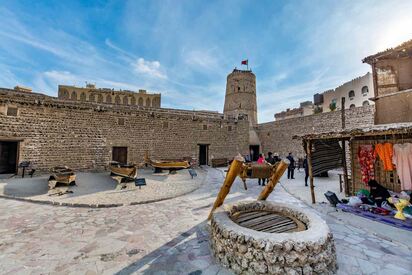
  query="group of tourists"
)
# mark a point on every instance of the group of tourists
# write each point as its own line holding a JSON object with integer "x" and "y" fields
{"x": 274, "y": 158}
{"x": 271, "y": 159}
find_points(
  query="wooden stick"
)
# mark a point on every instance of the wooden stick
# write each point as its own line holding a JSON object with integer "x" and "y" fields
{"x": 309, "y": 154}
{"x": 244, "y": 183}
{"x": 345, "y": 168}
{"x": 234, "y": 170}
{"x": 280, "y": 169}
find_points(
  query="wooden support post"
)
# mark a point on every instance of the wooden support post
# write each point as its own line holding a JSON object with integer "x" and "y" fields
{"x": 280, "y": 169}
{"x": 343, "y": 113}
{"x": 309, "y": 154}
{"x": 234, "y": 171}
{"x": 345, "y": 168}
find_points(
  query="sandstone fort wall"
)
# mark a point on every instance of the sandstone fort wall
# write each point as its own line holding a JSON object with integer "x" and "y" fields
{"x": 277, "y": 136}
{"x": 81, "y": 135}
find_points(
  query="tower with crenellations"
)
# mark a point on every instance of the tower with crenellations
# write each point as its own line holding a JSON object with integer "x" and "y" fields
{"x": 240, "y": 96}
{"x": 240, "y": 101}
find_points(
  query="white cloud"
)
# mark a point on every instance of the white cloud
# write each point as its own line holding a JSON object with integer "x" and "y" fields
{"x": 201, "y": 59}
{"x": 8, "y": 79}
{"x": 63, "y": 77}
{"x": 128, "y": 56}
{"x": 149, "y": 68}
{"x": 49, "y": 80}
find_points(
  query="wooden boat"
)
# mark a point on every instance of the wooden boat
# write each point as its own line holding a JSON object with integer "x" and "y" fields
{"x": 166, "y": 164}
{"x": 61, "y": 174}
{"x": 123, "y": 170}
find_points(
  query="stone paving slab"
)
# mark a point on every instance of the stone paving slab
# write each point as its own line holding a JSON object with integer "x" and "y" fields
{"x": 166, "y": 237}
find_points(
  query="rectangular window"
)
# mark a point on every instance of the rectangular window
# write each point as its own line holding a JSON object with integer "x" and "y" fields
{"x": 204, "y": 126}
{"x": 229, "y": 128}
{"x": 11, "y": 111}
{"x": 120, "y": 121}
{"x": 165, "y": 125}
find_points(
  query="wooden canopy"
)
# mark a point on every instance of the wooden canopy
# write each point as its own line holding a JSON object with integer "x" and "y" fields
{"x": 375, "y": 130}
{"x": 394, "y": 132}
{"x": 403, "y": 50}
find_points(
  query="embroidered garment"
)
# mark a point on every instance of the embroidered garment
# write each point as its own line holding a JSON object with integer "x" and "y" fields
{"x": 402, "y": 158}
{"x": 366, "y": 159}
{"x": 385, "y": 153}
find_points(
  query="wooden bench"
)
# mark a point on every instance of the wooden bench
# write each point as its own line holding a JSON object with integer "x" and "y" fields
{"x": 220, "y": 162}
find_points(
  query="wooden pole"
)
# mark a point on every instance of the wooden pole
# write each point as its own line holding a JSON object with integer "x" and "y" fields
{"x": 278, "y": 172}
{"x": 345, "y": 168}
{"x": 234, "y": 171}
{"x": 309, "y": 154}
{"x": 343, "y": 113}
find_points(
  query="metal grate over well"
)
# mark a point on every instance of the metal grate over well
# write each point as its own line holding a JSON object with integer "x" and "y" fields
{"x": 269, "y": 222}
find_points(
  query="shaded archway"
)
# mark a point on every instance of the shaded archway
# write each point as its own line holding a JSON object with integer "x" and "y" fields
{"x": 99, "y": 98}
{"x": 109, "y": 99}
{"x": 83, "y": 96}
{"x": 117, "y": 99}
{"x": 73, "y": 96}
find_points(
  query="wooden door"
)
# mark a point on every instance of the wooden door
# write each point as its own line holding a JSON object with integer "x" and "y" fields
{"x": 254, "y": 152}
{"x": 203, "y": 154}
{"x": 8, "y": 157}
{"x": 119, "y": 154}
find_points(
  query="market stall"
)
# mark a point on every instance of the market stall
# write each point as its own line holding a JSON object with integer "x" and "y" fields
{"x": 380, "y": 155}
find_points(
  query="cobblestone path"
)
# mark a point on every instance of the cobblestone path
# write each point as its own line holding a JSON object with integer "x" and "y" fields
{"x": 167, "y": 237}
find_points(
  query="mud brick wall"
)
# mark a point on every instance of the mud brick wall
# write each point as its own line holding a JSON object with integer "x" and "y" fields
{"x": 81, "y": 134}
{"x": 277, "y": 136}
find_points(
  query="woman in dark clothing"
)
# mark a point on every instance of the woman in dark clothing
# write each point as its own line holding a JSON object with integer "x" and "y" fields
{"x": 378, "y": 192}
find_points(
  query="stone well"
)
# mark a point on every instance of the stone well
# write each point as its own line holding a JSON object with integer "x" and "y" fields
{"x": 246, "y": 251}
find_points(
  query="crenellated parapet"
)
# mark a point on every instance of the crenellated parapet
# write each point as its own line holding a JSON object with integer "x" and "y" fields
{"x": 109, "y": 96}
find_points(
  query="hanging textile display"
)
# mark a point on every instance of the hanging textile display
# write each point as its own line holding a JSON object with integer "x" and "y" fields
{"x": 402, "y": 158}
{"x": 385, "y": 153}
{"x": 366, "y": 157}
{"x": 327, "y": 155}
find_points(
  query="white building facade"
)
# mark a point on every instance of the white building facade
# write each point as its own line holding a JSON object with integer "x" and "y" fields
{"x": 356, "y": 92}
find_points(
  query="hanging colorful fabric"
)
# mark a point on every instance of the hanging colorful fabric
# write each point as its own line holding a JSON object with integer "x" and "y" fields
{"x": 402, "y": 158}
{"x": 366, "y": 159}
{"x": 385, "y": 153}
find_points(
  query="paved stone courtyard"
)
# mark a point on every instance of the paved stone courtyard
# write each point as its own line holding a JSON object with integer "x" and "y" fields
{"x": 166, "y": 237}
{"x": 100, "y": 190}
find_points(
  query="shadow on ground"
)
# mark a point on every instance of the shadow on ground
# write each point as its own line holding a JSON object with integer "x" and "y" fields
{"x": 188, "y": 253}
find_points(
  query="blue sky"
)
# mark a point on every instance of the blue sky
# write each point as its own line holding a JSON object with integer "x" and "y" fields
{"x": 185, "y": 49}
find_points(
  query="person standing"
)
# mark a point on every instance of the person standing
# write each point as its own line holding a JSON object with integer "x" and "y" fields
{"x": 261, "y": 160}
{"x": 270, "y": 159}
{"x": 276, "y": 157}
{"x": 291, "y": 167}
{"x": 306, "y": 167}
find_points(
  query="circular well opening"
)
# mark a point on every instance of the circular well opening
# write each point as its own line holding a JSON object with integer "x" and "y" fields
{"x": 268, "y": 221}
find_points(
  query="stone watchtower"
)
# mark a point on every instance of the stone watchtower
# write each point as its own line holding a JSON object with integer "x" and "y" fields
{"x": 241, "y": 95}
{"x": 240, "y": 100}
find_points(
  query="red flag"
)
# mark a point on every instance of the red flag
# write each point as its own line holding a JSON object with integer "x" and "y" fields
{"x": 244, "y": 62}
